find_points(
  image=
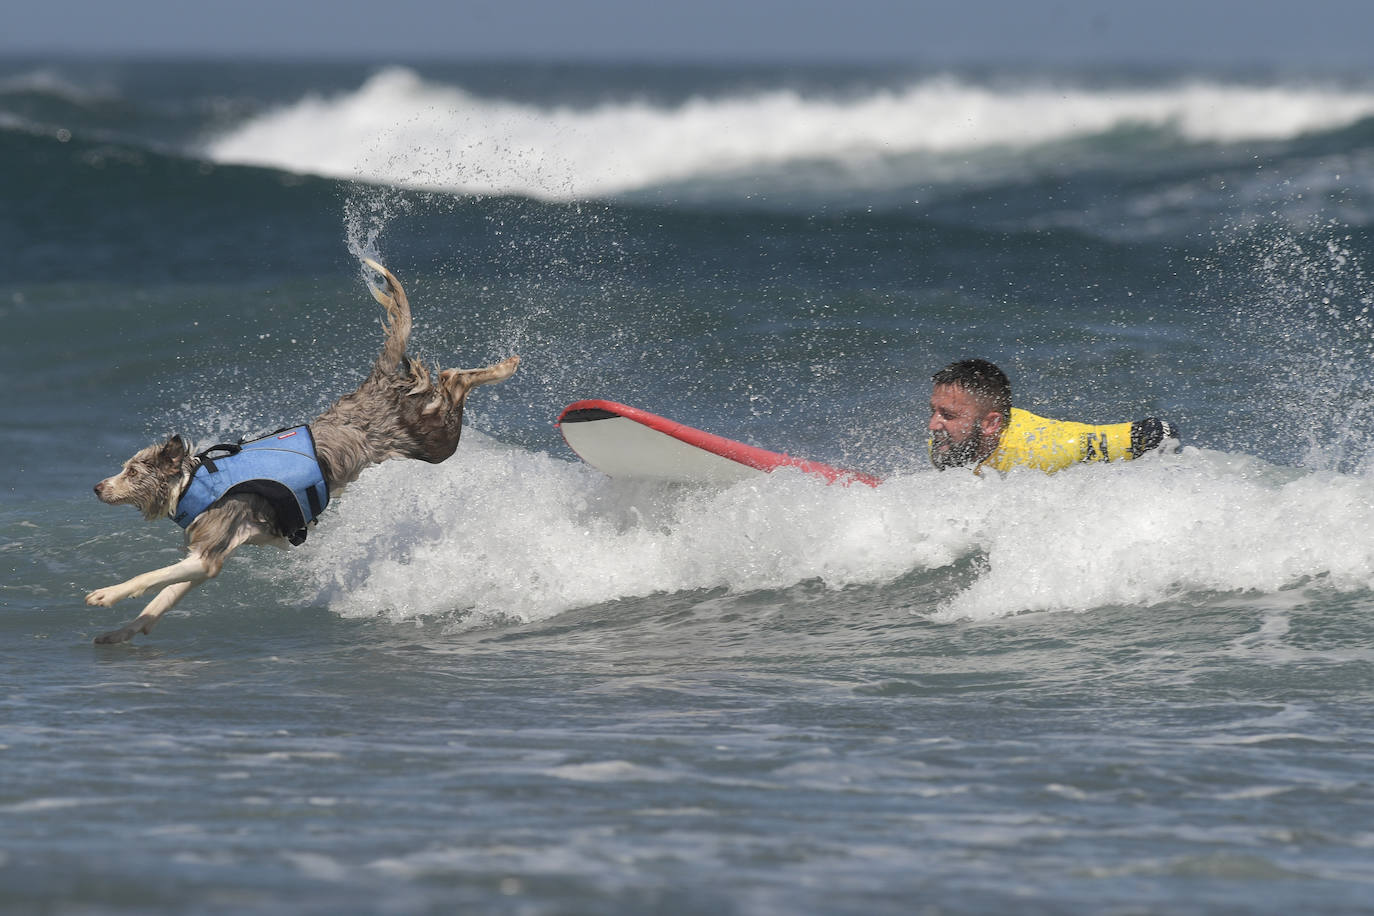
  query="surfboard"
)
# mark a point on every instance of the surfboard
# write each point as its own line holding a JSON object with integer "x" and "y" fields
{"x": 626, "y": 442}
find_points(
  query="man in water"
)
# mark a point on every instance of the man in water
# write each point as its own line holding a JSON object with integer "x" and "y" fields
{"x": 972, "y": 424}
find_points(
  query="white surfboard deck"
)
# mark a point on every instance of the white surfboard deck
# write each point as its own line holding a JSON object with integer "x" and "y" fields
{"x": 626, "y": 442}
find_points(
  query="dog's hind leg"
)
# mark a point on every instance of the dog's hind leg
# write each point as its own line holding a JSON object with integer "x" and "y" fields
{"x": 458, "y": 382}
{"x": 145, "y": 622}
{"x": 397, "y": 306}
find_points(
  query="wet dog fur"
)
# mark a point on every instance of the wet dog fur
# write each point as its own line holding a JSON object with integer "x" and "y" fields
{"x": 401, "y": 410}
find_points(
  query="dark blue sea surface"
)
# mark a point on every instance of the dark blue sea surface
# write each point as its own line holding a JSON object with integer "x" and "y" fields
{"x": 510, "y": 684}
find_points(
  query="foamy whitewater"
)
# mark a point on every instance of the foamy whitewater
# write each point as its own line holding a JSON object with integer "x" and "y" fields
{"x": 510, "y": 684}
{"x": 498, "y": 533}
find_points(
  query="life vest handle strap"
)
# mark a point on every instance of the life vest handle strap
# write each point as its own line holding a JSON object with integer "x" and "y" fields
{"x": 229, "y": 449}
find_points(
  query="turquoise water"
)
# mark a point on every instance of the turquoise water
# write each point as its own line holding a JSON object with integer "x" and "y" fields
{"x": 508, "y": 684}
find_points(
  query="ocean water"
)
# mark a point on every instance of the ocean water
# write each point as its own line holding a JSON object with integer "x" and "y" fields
{"x": 508, "y": 684}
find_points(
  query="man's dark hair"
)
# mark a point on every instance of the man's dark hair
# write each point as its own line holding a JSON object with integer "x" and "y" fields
{"x": 981, "y": 379}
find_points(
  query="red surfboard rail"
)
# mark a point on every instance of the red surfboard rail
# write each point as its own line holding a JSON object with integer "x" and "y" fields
{"x": 748, "y": 455}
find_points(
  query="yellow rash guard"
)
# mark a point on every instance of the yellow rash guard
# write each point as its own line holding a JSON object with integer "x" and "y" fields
{"x": 1052, "y": 445}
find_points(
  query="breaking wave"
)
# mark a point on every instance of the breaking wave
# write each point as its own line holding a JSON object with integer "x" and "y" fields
{"x": 398, "y": 128}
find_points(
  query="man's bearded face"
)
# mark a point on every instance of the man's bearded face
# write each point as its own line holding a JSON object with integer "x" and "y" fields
{"x": 957, "y": 437}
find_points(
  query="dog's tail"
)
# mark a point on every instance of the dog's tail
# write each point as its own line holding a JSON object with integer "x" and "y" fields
{"x": 397, "y": 306}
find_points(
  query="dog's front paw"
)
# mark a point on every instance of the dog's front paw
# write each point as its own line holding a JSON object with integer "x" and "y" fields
{"x": 123, "y": 634}
{"x": 103, "y": 597}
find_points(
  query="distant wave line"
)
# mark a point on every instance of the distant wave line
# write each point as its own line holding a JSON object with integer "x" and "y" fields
{"x": 400, "y": 129}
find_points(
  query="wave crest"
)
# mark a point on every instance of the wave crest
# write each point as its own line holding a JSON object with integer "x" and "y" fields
{"x": 400, "y": 129}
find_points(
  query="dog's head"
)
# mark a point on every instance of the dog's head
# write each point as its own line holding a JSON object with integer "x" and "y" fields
{"x": 152, "y": 480}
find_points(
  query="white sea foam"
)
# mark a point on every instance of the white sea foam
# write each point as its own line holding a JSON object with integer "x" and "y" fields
{"x": 400, "y": 129}
{"x": 501, "y": 533}
{"x": 615, "y": 771}
{"x": 46, "y": 81}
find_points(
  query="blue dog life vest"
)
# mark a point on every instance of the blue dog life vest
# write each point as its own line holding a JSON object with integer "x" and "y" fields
{"x": 281, "y": 467}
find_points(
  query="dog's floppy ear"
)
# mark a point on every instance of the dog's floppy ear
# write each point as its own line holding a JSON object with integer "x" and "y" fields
{"x": 175, "y": 449}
